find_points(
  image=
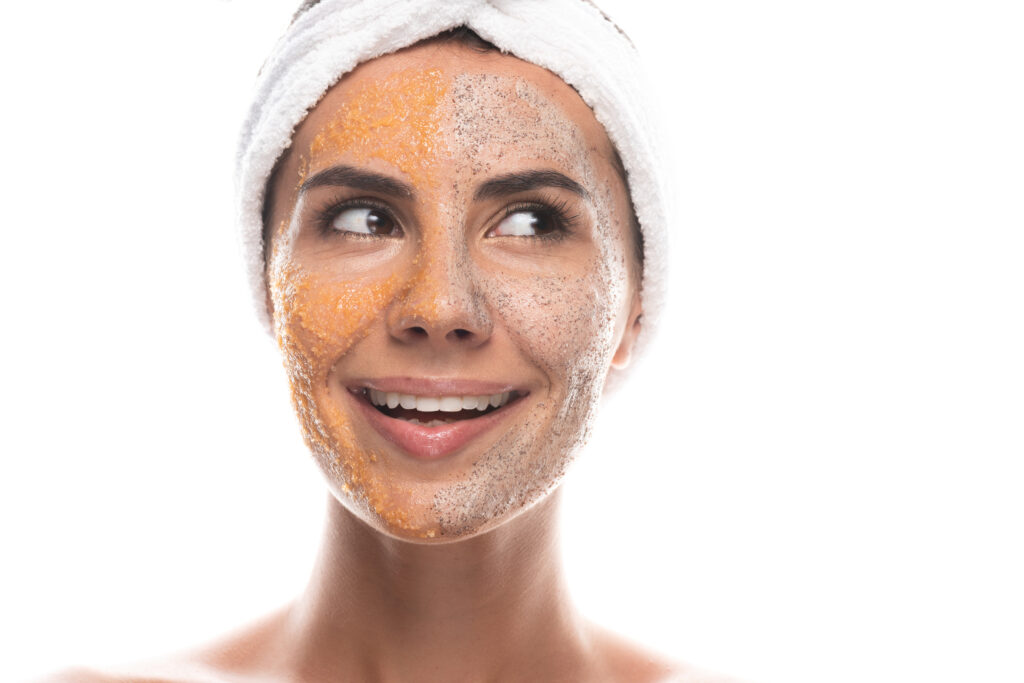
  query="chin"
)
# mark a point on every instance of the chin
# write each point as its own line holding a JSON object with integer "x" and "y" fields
{"x": 463, "y": 495}
{"x": 419, "y": 526}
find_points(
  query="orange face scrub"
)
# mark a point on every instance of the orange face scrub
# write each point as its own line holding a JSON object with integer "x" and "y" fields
{"x": 396, "y": 120}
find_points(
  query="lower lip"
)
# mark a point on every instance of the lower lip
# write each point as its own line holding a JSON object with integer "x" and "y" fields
{"x": 432, "y": 443}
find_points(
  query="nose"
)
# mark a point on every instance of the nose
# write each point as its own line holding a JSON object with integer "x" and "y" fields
{"x": 442, "y": 307}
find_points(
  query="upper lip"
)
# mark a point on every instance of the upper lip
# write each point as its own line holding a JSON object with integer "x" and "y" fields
{"x": 422, "y": 386}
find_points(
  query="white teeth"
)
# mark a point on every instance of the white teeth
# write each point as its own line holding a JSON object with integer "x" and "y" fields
{"x": 428, "y": 404}
{"x": 432, "y": 404}
{"x": 450, "y": 404}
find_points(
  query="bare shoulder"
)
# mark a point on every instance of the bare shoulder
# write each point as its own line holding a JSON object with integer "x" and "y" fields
{"x": 86, "y": 675}
{"x": 234, "y": 658}
{"x": 183, "y": 668}
{"x": 167, "y": 672}
{"x": 76, "y": 675}
{"x": 630, "y": 662}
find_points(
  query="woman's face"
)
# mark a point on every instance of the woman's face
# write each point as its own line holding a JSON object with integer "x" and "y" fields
{"x": 451, "y": 280}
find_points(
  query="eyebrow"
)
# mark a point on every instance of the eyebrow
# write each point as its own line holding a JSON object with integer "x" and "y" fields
{"x": 349, "y": 176}
{"x": 513, "y": 183}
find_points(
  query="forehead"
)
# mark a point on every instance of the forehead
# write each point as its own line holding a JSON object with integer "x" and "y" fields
{"x": 444, "y": 103}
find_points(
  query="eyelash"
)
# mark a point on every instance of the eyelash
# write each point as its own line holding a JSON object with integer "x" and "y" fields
{"x": 325, "y": 217}
{"x": 558, "y": 209}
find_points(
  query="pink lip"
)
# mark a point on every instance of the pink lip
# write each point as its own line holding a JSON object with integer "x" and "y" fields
{"x": 433, "y": 443}
{"x": 420, "y": 386}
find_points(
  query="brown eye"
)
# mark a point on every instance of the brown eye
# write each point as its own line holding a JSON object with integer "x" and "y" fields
{"x": 365, "y": 221}
{"x": 526, "y": 222}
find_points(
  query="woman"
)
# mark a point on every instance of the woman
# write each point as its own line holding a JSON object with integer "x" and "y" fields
{"x": 453, "y": 265}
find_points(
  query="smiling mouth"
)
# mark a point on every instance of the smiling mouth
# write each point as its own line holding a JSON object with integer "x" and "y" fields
{"x": 436, "y": 411}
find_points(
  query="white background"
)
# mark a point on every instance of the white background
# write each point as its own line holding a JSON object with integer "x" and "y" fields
{"x": 814, "y": 477}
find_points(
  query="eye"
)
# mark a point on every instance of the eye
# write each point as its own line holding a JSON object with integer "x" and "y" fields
{"x": 526, "y": 223}
{"x": 365, "y": 220}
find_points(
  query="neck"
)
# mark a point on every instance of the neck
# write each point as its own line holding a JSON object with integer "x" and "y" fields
{"x": 379, "y": 608}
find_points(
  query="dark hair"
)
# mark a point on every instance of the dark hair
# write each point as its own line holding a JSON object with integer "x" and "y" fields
{"x": 464, "y": 35}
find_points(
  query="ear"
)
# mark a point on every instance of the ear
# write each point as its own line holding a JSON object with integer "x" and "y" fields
{"x": 634, "y": 322}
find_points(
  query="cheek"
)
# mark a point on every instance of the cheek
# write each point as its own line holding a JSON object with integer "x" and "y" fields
{"x": 317, "y": 320}
{"x": 570, "y": 322}
{"x": 565, "y": 326}
{"x": 318, "y": 317}
{"x": 563, "y": 323}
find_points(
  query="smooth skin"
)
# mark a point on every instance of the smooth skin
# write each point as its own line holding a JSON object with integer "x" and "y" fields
{"x": 485, "y": 600}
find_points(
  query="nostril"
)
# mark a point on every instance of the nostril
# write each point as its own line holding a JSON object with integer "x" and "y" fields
{"x": 461, "y": 332}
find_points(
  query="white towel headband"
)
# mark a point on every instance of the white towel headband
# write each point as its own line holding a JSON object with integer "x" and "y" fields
{"x": 570, "y": 38}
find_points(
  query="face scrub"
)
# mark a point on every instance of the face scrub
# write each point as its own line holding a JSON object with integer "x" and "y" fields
{"x": 545, "y": 314}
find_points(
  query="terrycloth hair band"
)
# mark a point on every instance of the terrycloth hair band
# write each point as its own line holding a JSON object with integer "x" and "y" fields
{"x": 571, "y": 38}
